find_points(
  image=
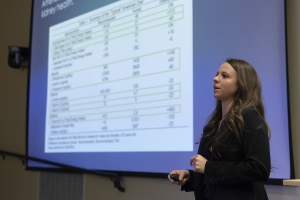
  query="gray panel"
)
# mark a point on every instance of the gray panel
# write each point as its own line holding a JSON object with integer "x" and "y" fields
{"x": 60, "y": 186}
{"x": 278, "y": 192}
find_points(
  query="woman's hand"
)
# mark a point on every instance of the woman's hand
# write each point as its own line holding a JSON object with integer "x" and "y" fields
{"x": 198, "y": 162}
{"x": 183, "y": 177}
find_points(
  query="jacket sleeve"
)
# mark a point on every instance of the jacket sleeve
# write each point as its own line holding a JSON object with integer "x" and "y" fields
{"x": 255, "y": 167}
{"x": 189, "y": 185}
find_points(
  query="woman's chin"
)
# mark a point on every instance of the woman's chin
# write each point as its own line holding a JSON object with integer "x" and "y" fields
{"x": 216, "y": 96}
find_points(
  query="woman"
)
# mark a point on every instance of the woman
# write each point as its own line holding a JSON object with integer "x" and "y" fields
{"x": 233, "y": 158}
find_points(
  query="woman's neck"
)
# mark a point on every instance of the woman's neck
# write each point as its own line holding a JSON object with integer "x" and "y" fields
{"x": 225, "y": 107}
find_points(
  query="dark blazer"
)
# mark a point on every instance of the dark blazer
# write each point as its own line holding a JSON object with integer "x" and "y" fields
{"x": 235, "y": 174}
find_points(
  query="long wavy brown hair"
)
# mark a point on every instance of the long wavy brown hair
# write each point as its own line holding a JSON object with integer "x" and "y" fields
{"x": 248, "y": 95}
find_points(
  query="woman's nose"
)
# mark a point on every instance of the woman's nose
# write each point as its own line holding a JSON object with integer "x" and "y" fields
{"x": 215, "y": 79}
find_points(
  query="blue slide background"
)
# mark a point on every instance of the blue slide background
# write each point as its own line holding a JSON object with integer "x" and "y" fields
{"x": 249, "y": 30}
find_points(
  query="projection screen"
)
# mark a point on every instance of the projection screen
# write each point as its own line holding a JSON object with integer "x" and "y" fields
{"x": 127, "y": 86}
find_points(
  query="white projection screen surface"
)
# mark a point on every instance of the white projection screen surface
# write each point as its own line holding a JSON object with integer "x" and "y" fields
{"x": 127, "y": 86}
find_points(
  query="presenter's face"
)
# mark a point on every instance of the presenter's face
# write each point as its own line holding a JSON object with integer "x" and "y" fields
{"x": 225, "y": 83}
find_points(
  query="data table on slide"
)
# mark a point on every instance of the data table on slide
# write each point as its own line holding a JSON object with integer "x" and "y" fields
{"x": 120, "y": 78}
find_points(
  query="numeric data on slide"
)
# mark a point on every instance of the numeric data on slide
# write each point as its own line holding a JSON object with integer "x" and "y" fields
{"x": 120, "y": 79}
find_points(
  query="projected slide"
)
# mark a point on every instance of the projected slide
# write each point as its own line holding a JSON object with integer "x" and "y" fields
{"x": 120, "y": 79}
